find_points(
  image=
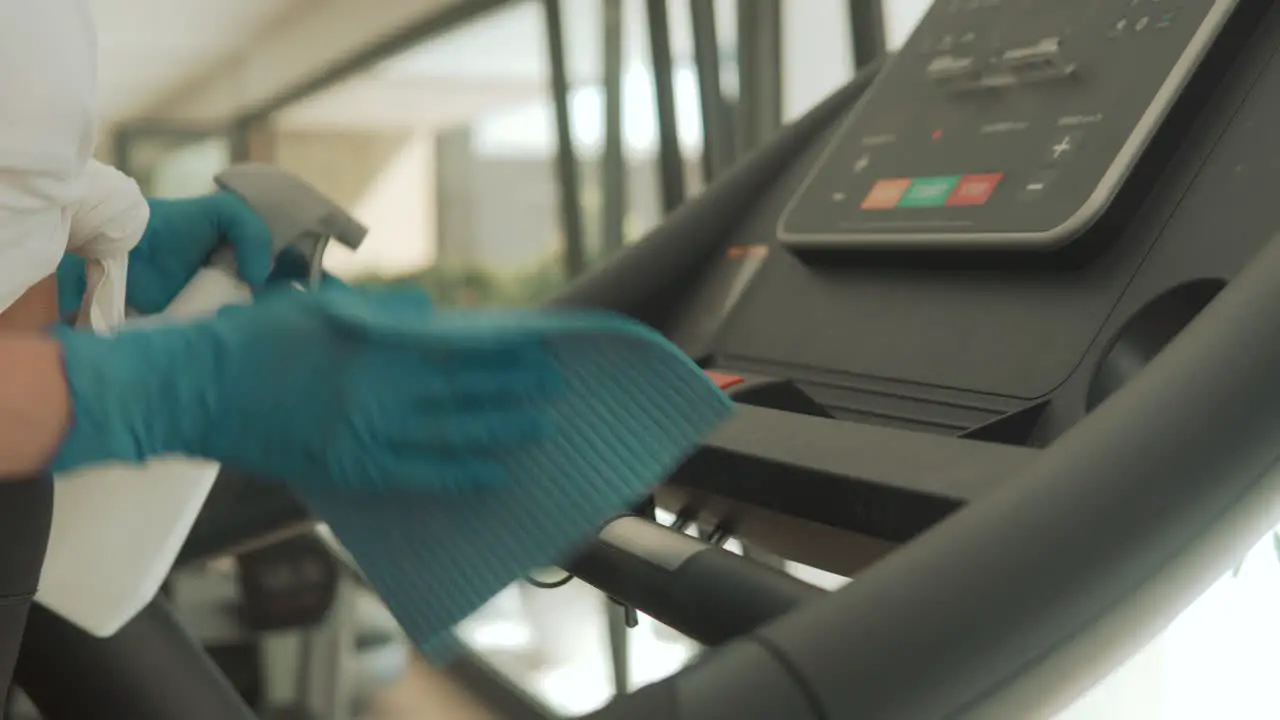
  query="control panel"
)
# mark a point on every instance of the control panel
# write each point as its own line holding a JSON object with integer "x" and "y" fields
{"x": 1003, "y": 124}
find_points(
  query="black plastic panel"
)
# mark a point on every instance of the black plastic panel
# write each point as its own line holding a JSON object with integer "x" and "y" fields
{"x": 942, "y": 347}
{"x": 881, "y": 482}
{"x": 1004, "y": 124}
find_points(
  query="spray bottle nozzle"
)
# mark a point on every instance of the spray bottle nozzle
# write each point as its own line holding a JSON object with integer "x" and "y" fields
{"x": 301, "y": 219}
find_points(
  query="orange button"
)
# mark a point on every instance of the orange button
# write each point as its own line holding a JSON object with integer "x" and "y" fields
{"x": 974, "y": 190}
{"x": 722, "y": 380}
{"x": 885, "y": 194}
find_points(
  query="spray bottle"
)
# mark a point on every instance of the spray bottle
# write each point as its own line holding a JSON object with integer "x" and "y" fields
{"x": 118, "y": 528}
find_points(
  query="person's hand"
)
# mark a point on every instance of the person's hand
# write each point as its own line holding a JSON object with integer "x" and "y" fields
{"x": 353, "y": 388}
{"x": 180, "y": 237}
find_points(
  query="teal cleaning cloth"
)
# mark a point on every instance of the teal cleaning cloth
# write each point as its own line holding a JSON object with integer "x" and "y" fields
{"x": 635, "y": 407}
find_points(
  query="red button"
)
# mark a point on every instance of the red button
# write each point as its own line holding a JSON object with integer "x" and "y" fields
{"x": 974, "y": 190}
{"x": 723, "y": 380}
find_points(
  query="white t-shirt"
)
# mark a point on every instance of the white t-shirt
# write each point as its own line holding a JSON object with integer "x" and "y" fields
{"x": 48, "y": 124}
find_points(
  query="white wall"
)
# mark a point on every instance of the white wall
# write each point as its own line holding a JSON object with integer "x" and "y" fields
{"x": 900, "y": 18}
{"x": 189, "y": 170}
{"x": 399, "y": 210}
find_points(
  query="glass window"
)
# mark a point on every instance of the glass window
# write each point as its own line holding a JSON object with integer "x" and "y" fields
{"x": 174, "y": 163}
{"x": 640, "y": 177}
{"x": 685, "y": 79}
{"x": 817, "y": 52}
{"x": 641, "y": 204}
{"x": 446, "y": 152}
{"x": 900, "y": 19}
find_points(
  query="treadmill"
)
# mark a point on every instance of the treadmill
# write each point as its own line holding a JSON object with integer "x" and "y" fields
{"x": 1002, "y": 321}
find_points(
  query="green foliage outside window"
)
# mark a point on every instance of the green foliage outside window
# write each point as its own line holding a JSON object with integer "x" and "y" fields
{"x": 478, "y": 287}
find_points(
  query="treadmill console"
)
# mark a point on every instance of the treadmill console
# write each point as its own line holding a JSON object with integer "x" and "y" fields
{"x": 1003, "y": 124}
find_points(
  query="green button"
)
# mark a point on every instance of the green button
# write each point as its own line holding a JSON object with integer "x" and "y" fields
{"x": 929, "y": 191}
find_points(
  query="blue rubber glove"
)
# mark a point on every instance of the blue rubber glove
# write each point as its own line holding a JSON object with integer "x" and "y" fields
{"x": 334, "y": 389}
{"x": 179, "y": 238}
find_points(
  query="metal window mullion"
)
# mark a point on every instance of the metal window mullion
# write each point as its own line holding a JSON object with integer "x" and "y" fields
{"x": 760, "y": 71}
{"x": 670, "y": 162}
{"x": 613, "y": 170}
{"x": 717, "y": 134}
{"x": 868, "y": 32}
{"x": 575, "y": 260}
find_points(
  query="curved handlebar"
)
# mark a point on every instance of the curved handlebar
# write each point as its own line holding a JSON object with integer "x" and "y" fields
{"x": 960, "y": 612}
